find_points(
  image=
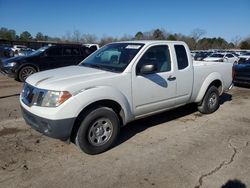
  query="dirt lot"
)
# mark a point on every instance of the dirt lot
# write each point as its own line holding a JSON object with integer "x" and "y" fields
{"x": 180, "y": 148}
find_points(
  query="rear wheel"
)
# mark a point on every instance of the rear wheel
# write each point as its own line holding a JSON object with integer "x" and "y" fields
{"x": 210, "y": 101}
{"x": 98, "y": 131}
{"x": 25, "y": 72}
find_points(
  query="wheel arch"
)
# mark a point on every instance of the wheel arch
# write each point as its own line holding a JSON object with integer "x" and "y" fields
{"x": 25, "y": 65}
{"x": 211, "y": 80}
{"x": 29, "y": 64}
{"x": 101, "y": 103}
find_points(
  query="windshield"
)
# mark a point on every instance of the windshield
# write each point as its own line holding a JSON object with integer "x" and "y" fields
{"x": 217, "y": 55}
{"x": 40, "y": 50}
{"x": 113, "y": 57}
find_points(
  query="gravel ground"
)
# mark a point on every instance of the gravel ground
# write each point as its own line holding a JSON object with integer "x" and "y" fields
{"x": 179, "y": 148}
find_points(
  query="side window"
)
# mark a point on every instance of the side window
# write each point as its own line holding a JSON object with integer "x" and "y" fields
{"x": 93, "y": 48}
{"x": 54, "y": 51}
{"x": 85, "y": 51}
{"x": 67, "y": 51}
{"x": 75, "y": 51}
{"x": 157, "y": 55}
{"x": 229, "y": 55}
{"x": 181, "y": 55}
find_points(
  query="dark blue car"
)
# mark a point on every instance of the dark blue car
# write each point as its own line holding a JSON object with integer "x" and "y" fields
{"x": 242, "y": 73}
{"x": 45, "y": 58}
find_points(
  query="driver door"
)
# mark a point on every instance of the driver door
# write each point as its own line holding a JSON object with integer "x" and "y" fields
{"x": 157, "y": 90}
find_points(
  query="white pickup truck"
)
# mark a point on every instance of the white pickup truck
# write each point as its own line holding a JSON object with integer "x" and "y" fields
{"x": 121, "y": 82}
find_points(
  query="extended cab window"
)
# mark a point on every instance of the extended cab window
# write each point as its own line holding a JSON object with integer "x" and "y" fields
{"x": 181, "y": 55}
{"x": 157, "y": 55}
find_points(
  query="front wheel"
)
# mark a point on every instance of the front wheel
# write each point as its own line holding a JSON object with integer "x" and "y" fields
{"x": 210, "y": 101}
{"x": 25, "y": 72}
{"x": 98, "y": 131}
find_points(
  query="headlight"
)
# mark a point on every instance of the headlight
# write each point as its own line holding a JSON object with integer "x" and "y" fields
{"x": 41, "y": 97}
{"x": 12, "y": 64}
{"x": 55, "y": 98}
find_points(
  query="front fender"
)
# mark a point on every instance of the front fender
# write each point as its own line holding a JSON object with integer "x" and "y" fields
{"x": 209, "y": 79}
{"x": 95, "y": 94}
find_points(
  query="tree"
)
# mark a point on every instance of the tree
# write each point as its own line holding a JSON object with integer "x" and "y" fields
{"x": 139, "y": 36}
{"x": 158, "y": 34}
{"x": 25, "y": 36}
{"x": 76, "y": 36}
{"x": 88, "y": 39}
{"x": 105, "y": 40}
{"x": 244, "y": 45}
{"x": 236, "y": 41}
{"x": 196, "y": 34}
{"x": 67, "y": 37}
{"x": 8, "y": 34}
{"x": 39, "y": 36}
{"x": 171, "y": 37}
{"x": 212, "y": 43}
{"x": 126, "y": 38}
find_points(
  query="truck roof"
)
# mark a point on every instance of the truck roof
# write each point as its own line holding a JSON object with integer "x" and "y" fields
{"x": 151, "y": 41}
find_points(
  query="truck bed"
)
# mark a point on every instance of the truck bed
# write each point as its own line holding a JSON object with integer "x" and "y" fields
{"x": 204, "y": 71}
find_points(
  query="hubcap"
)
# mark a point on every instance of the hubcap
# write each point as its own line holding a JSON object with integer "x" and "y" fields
{"x": 212, "y": 101}
{"x": 100, "y": 132}
{"x": 27, "y": 72}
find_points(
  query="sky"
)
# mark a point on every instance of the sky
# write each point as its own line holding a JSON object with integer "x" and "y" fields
{"x": 116, "y": 18}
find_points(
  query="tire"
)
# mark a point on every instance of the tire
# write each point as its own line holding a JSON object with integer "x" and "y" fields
{"x": 98, "y": 131}
{"x": 210, "y": 102}
{"x": 25, "y": 72}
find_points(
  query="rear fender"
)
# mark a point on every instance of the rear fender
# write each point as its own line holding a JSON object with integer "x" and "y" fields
{"x": 207, "y": 82}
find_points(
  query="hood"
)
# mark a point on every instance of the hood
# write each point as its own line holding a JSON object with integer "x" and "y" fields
{"x": 63, "y": 78}
{"x": 13, "y": 59}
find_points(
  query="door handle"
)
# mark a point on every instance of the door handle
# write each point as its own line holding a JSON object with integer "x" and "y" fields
{"x": 171, "y": 78}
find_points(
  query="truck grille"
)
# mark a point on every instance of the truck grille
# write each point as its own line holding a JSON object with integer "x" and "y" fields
{"x": 32, "y": 95}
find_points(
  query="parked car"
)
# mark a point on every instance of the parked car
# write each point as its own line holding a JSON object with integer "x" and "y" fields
{"x": 222, "y": 57}
{"x": 201, "y": 55}
{"x": 242, "y": 73}
{"x": 89, "y": 103}
{"x": 93, "y": 47}
{"x": 25, "y": 51}
{"x": 244, "y": 57}
{"x": 6, "y": 52}
{"x": 17, "y": 48}
{"x": 48, "y": 57}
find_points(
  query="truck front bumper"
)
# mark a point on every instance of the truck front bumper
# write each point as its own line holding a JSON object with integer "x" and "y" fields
{"x": 59, "y": 129}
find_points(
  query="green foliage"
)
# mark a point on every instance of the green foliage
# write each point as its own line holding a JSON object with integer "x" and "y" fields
{"x": 158, "y": 35}
{"x": 212, "y": 43}
{"x": 8, "y": 34}
{"x": 245, "y": 45}
{"x": 171, "y": 37}
{"x": 40, "y": 36}
{"x": 25, "y": 36}
{"x": 139, "y": 36}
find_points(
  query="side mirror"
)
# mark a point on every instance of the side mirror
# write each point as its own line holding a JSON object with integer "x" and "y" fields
{"x": 148, "y": 69}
